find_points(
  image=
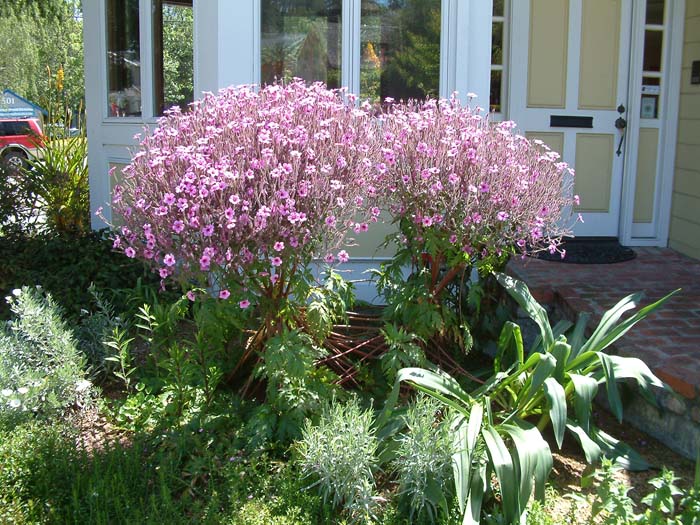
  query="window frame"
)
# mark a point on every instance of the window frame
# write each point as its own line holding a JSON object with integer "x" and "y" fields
{"x": 454, "y": 22}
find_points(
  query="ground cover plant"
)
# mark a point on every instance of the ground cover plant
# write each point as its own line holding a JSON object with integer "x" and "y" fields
{"x": 253, "y": 394}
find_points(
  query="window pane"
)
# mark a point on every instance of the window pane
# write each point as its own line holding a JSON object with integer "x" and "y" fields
{"x": 496, "y": 91}
{"x": 653, "y": 40}
{"x": 655, "y": 12}
{"x": 498, "y": 7}
{"x": 400, "y": 42}
{"x": 123, "y": 58}
{"x": 497, "y": 43}
{"x": 301, "y": 39}
{"x": 651, "y": 91}
{"x": 173, "y": 54}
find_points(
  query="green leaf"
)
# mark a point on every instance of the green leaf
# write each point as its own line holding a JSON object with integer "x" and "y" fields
{"x": 610, "y": 319}
{"x": 561, "y": 351}
{"x": 440, "y": 382}
{"x": 534, "y": 459}
{"x": 606, "y": 334}
{"x": 590, "y": 448}
{"x": 611, "y": 384}
{"x": 561, "y": 327}
{"x": 544, "y": 368}
{"x": 519, "y": 291}
{"x": 556, "y": 398}
{"x": 472, "y": 515}
{"x": 620, "y": 452}
{"x": 578, "y": 334}
{"x": 505, "y": 472}
{"x": 461, "y": 462}
{"x": 585, "y": 390}
{"x": 634, "y": 368}
{"x": 510, "y": 339}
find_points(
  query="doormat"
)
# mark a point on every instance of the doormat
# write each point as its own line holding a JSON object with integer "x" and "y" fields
{"x": 590, "y": 250}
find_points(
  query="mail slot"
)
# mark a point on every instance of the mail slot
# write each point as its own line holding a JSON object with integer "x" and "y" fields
{"x": 570, "y": 121}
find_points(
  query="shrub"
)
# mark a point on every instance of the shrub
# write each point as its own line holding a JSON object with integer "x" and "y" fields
{"x": 465, "y": 193}
{"x": 243, "y": 191}
{"x": 340, "y": 453}
{"x": 41, "y": 369}
{"x": 57, "y": 178}
{"x": 65, "y": 266}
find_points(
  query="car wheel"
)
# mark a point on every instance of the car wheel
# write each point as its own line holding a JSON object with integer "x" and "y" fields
{"x": 15, "y": 160}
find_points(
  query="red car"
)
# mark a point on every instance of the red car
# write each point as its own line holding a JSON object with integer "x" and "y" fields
{"x": 19, "y": 139}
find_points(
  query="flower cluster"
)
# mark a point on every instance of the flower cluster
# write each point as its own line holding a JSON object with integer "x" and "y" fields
{"x": 250, "y": 183}
{"x": 455, "y": 177}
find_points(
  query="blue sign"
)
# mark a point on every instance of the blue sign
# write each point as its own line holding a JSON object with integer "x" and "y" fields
{"x": 14, "y": 106}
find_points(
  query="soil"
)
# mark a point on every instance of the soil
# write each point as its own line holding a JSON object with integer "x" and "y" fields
{"x": 570, "y": 464}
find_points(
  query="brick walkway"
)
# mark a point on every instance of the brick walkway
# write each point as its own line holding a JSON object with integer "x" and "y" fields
{"x": 668, "y": 340}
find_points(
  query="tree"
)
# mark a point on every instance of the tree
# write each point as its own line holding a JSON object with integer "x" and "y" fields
{"x": 37, "y": 38}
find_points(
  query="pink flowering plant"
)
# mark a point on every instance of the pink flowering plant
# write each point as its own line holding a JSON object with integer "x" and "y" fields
{"x": 465, "y": 193}
{"x": 241, "y": 194}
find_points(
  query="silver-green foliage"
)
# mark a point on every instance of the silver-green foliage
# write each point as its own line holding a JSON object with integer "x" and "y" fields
{"x": 41, "y": 368}
{"x": 340, "y": 453}
{"x": 423, "y": 463}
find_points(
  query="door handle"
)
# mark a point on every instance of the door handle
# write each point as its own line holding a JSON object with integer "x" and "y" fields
{"x": 620, "y": 124}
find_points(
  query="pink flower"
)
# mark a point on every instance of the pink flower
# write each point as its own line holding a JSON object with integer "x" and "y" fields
{"x": 169, "y": 199}
{"x": 502, "y": 216}
{"x": 178, "y": 226}
{"x": 191, "y": 295}
{"x": 169, "y": 259}
{"x": 130, "y": 252}
{"x": 245, "y": 303}
{"x": 274, "y": 278}
{"x": 276, "y": 261}
{"x": 208, "y": 230}
{"x": 163, "y": 272}
{"x": 224, "y": 294}
{"x": 343, "y": 256}
{"x": 204, "y": 262}
{"x": 329, "y": 258}
{"x": 279, "y": 246}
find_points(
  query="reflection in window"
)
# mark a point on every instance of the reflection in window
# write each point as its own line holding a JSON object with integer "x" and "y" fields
{"x": 653, "y": 62}
{"x": 301, "y": 39}
{"x": 400, "y": 49}
{"x": 173, "y": 54}
{"x": 653, "y": 41}
{"x": 123, "y": 58}
{"x": 655, "y": 12}
{"x": 498, "y": 28}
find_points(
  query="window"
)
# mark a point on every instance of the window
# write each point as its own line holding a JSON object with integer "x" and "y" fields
{"x": 301, "y": 39}
{"x": 400, "y": 49}
{"x": 653, "y": 59}
{"x": 123, "y": 58}
{"x": 173, "y": 54}
{"x": 498, "y": 62}
{"x": 399, "y": 45}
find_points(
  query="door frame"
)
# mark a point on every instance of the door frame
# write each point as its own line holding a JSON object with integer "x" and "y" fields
{"x": 673, "y": 54}
{"x": 668, "y": 129}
